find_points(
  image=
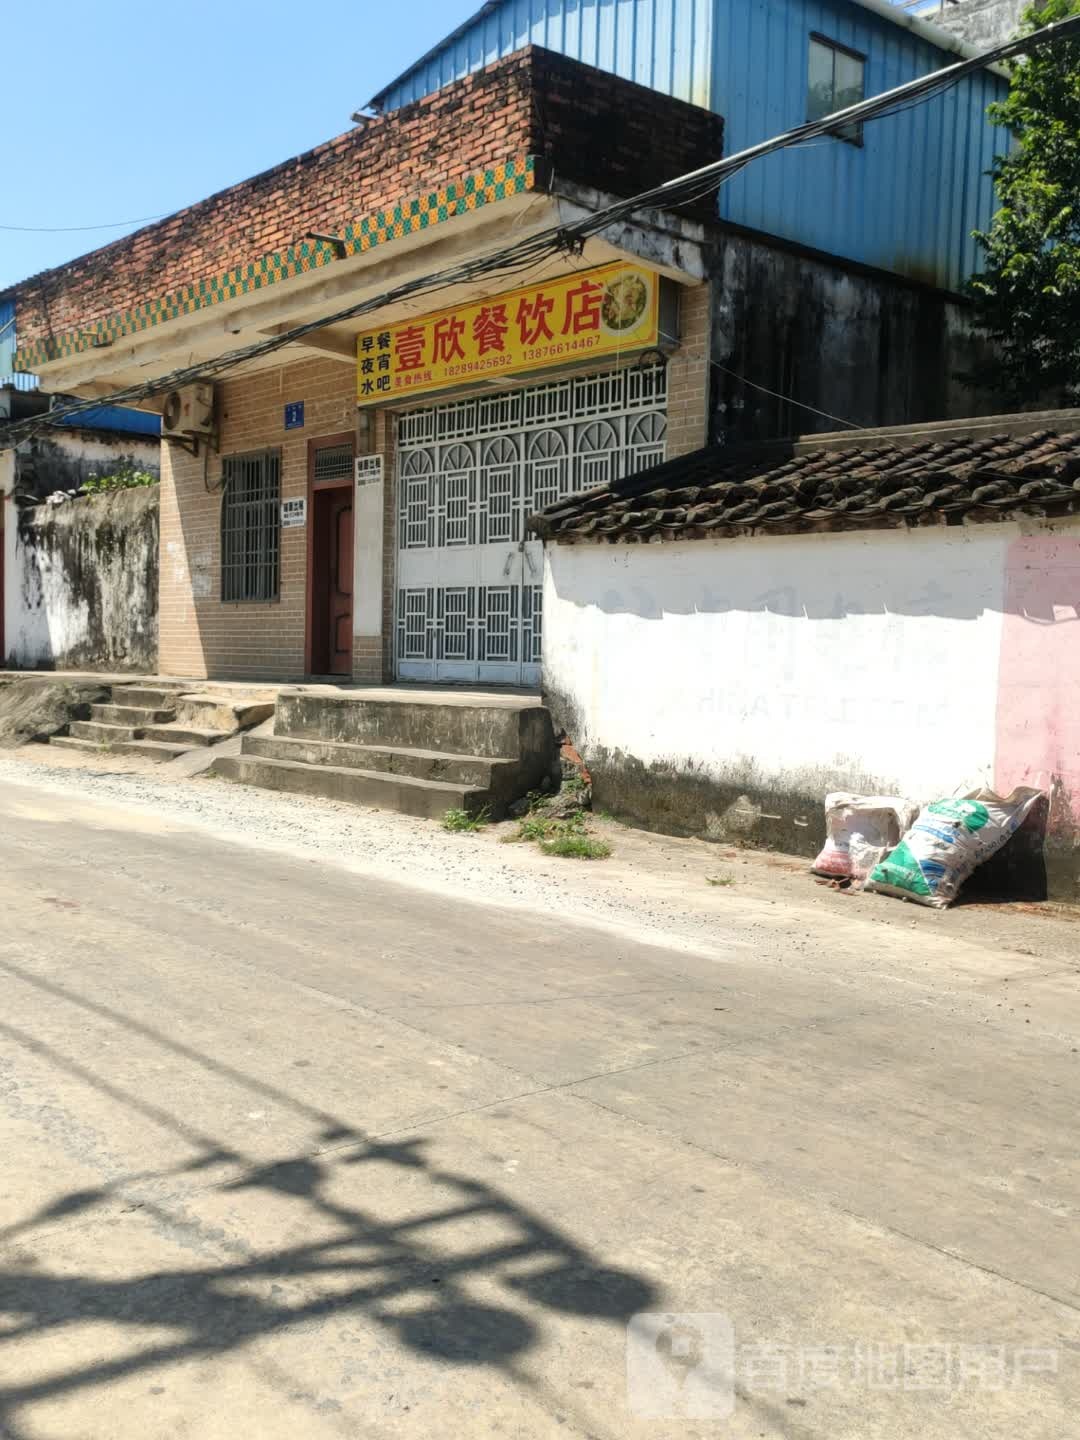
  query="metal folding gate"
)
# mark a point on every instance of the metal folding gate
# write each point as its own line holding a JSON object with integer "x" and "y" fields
{"x": 469, "y": 474}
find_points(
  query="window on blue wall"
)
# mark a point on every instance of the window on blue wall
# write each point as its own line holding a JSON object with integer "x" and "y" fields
{"x": 836, "y": 79}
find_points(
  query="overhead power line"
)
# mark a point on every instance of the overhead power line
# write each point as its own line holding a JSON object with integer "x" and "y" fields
{"x": 683, "y": 190}
{"x": 787, "y": 399}
{"x": 69, "y": 229}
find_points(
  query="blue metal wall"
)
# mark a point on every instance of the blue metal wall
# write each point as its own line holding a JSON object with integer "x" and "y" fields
{"x": 906, "y": 200}
{"x": 8, "y": 375}
{"x": 665, "y": 44}
{"x": 102, "y": 417}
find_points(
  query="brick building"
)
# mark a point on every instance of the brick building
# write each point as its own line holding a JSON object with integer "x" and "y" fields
{"x": 361, "y": 507}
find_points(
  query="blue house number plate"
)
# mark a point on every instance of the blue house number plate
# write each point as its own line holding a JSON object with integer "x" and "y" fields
{"x": 294, "y": 415}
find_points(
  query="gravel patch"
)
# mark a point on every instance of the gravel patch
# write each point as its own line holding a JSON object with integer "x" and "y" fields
{"x": 655, "y": 887}
{"x": 378, "y": 843}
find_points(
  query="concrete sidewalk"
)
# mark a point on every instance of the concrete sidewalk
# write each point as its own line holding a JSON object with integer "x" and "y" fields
{"x": 442, "y": 694}
{"x": 297, "y": 1149}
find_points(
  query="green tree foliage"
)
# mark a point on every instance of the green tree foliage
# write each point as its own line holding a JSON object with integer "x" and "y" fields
{"x": 1028, "y": 294}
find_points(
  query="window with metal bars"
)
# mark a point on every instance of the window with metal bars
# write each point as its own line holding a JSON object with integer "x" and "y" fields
{"x": 250, "y": 526}
{"x": 333, "y": 462}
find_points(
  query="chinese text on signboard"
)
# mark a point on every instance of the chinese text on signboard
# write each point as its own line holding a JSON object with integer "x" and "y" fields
{"x": 369, "y": 469}
{"x": 591, "y": 313}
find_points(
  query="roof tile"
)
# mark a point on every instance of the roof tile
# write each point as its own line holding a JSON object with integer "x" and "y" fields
{"x": 866, "y": 480}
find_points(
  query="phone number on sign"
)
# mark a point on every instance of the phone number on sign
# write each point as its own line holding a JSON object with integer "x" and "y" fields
{"x": 480, "y": 367}
{"x": 539, "y": 353}
{"x": 562, "y": 347}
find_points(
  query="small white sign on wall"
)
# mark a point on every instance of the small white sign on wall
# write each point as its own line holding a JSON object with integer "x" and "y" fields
{"x": 294, "y": 514}
{"x": 369, "y": 469}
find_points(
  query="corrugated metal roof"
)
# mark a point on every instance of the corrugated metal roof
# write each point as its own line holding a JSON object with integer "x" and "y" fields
{"x": 906, "y": 200}
{"x": 665, "y": 44}
{"x": 437, "y": 49}
{"x": 533, "y": 15}
{"x": 908, "y": 197}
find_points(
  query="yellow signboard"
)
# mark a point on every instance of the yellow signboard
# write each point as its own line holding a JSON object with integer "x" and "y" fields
{"x": 586, "y": 315}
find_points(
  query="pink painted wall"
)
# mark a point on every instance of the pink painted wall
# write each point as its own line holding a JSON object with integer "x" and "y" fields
{"x": 1038, "y": 715}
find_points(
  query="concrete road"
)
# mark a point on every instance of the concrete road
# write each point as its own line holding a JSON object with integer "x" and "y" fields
{"x": 294, "y": 1154}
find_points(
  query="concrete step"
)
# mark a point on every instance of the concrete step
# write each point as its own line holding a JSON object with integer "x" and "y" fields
{"x": 186, "y": 735}
{"x": 96, "y": 732}
{"x": 222, "y": 712}
{"x": 477, "y": 771}
{"x": 70, "y": 742}
{"x": 148, "y": 748}
{"x": 427, "y": 798}
{"x": 130, "y": 715}
{"x": 152, "y": 749}
{"x": 498, "y": 729}
{"x": 148, "y": 697}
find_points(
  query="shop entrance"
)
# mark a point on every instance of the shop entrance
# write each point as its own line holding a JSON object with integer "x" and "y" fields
{"x": 330, "y": 557}
{"x": 469, "y": 604}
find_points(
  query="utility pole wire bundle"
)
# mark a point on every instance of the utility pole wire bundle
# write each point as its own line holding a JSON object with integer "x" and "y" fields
{"x": 526, "y": 253}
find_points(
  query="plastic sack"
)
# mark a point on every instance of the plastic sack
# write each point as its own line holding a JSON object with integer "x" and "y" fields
{"x": 947, "y": 842}
{"x": 860, "y": 831}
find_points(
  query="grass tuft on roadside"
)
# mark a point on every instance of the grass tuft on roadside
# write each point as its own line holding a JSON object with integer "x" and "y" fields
{"x": 568, "y": 839}
{"x": 533, "y": 827}
{"x": 459, "y": 822}
{"x": 576, "y": 846}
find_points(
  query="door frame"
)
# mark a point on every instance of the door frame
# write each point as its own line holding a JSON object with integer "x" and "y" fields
{"x": 322, "y": 442}
{"x": 615, "y": 405}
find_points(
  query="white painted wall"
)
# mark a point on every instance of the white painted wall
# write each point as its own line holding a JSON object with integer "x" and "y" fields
{"x": 65, "y": 459}
{"x": 791, "y": 662}
{"x": 8, "y": 518}
{"x": 48, "y": 619}
{"x": 81, "y": 586}
{"x": 368, "y": 559}
{"x": 108, "y": 451}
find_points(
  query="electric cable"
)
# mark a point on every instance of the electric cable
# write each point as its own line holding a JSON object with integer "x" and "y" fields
{"x": 572, "y": 237}
{"x": 788, "y": 399}
{"x": 70, "y": 229}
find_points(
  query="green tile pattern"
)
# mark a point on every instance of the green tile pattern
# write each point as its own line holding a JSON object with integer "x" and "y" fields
{"x": 511, "y": 177}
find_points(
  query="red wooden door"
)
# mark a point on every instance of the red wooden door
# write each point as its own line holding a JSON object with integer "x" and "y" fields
{"x": 340, "y": 589}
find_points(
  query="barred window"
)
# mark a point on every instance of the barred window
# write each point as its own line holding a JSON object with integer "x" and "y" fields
{"x": 250, "y": 526}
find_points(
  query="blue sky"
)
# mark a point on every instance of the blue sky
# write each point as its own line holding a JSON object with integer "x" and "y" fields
{"x": 121, "y": 110}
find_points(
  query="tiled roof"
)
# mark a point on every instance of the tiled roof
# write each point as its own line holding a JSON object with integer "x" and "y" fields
{"x": 981, "y": 470}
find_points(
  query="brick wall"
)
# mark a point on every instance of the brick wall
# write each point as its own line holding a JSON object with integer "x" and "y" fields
{"x": 483, "y": 118}
{"x": 200, "y": 636}
{"x": 599, "y": 130}
{"x": 592, "y": 128}
{"x": 583, "y": 125}
{"x": 688, "y": 375}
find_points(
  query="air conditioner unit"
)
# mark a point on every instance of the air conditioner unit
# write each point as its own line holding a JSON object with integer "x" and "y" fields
{"x": 188, "y": 412}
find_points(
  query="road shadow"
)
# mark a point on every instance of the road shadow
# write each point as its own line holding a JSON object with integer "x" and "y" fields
{"x": 465, "y": 1276}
